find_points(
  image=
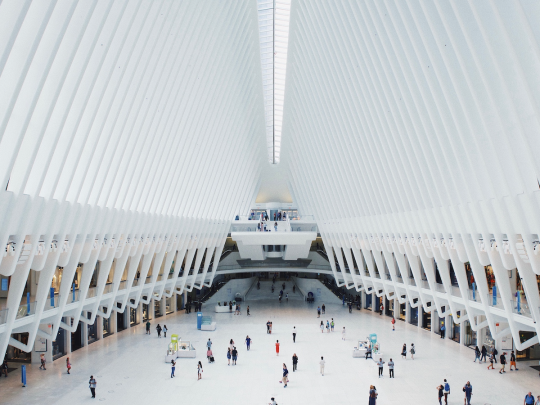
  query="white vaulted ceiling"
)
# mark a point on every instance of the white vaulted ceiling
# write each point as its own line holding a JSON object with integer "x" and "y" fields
{"x": 133, "y": 131}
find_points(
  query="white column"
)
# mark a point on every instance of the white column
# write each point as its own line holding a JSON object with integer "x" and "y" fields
{"x": 151, "y": 309}
{"x": 127, "y": 320}
{"x": 173, "y": 302}
{"x": 84, "y": 330}
{"x": 99, "y": 327}
{"x": 139, "y": 313}
{"x": 163, "y": 306}
{"x": 67, "y": 336}
{"x": 185, "y": 299}
{"x": 112, "y": 321}
{"x": 448, "y": 323}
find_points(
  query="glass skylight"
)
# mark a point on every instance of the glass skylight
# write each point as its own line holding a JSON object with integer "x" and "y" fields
{"x": 274, "y": 18}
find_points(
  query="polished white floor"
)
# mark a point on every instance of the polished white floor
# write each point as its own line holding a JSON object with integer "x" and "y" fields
{"x": 130, "y": 368}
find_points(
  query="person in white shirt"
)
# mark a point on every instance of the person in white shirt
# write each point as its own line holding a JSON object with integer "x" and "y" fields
{"x": 391, "y": 368}
{"x": 294, "y": 334}
{"x": 321, "y": 363}
{"x": 273, "y": 402}
{"x": 380, "y": 364}
{"x": 343, "y": 334}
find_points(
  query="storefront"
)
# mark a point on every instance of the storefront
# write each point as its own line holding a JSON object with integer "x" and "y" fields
{"x": 169, "y": 309}
{"x": 58, "y": 344}
{"x": 369, "y": 297}
{"x": 530, "y": 353}
{"x": 145, "y": 312}
{"x": 456, "y": 329}
{"x": 133, "y": 316}
{"x": 403, "y": 312}
{"x": 470, "y": 335}
{"x": 388, "y": 307}
{"x": 413, "y": 319}
{"x": 426, "y": 319}
{"x": 157, "y": 308}
{"x": 106, "y": 325}
{"x": 92, "y": 331}
{"x": 17, "y": 355}
{"x": 490, "y": 276}
{"x": 76, "y": 337}
{"x": 120, "y": 325}
{"x": 180, "y": 302}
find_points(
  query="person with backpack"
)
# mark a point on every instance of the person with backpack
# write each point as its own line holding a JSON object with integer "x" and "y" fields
{"x": 477, "y": 354}
{"x": 495, "y": 353}
{"x": 147, "y": 327}
{"x": 332, "y": 325}
{"x": 491, "y": 358}
{"x": 446, "y": 391}
{"x": 372, "y": 395}
{"x": 503, "y": 363}
{"x": 158, "y": 328}
{"x": 443, "y": 330}
{"x": 413, "y": 351}
{"x": 467, "y": 389}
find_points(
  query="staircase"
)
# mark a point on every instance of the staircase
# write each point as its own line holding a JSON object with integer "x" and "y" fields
{"x": 265, "y": 293}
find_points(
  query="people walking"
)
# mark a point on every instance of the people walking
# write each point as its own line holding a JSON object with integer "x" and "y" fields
{"x": 173, "y": 367}
{"x": 483, "y": 354}
{"x": 503, "y": 363}
{"x": 199, "y": 371}
{"x": 343, "y": 334}
{"x": 318, "y": 312}
{"x": 147, "y": 327}
{"x": 321, "y": 364}
{"x": 234, "y": 354}
{"x": 529, "y": 399}
{"x": 285, "y": 375}
{"x": 92, "y": 384}
{"x": 513, "y": 361}
{"x": 68, "y": 365}
{"x": 443, "y": 330}
{"x": 393, "y": 324}
{"x": 413, "y": 351}
{"x": 391, "y": 368}
{"x": 380, "y": 364}
{"x": 322, "y": 327}
{"x": 372, "y": 395}
{"x": 248, "y": 311}
{"x": 477, "y": 354}
{"x": 495, "y": 353}
{"x": 327, "y": 326}
{"x": 404, "y": 351}
{"x": 446, "y": 391}
{"x": 323, "y": 309}
{"x": 491, "y": 359}
{"x": 164, "y": 331}
{"x": 268, "y": 327}
{"x": 42, "y": 359}
{"x": 440, "y": 394}
{"x": 294, "y": 362}
{"x": 332, "y": 325}
{"x": 209, "y": 355}
{"x": 229, "y": 356}
{"x": 4, "y": 369}
{"x": 294, "y": 336}
{"x": 209, "y": 344}
{"x": 248, "y": 342}
{"x": 277, "y": 347}
{"x": 158, "y": 328}
{"x": 467, "y": 389}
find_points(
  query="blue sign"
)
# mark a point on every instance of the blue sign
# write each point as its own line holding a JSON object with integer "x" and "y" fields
{"x": 52, "y": 297}
{"x": 23, "y": 375}
{"x": 4, "y": 284}
{"x": 494, "y": 295}
{"x": 73, "y": 292}
{"x": 474, "y": 291}
{"x": 28, "y": 303}
{"x": 519, "y": 302}
{"x": 199, "y": 320}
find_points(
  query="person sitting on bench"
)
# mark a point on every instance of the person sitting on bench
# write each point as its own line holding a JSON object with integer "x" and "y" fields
{"x": 368, "y": 353}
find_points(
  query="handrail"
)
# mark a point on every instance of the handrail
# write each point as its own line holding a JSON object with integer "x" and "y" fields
{"x": 256, "y": 279}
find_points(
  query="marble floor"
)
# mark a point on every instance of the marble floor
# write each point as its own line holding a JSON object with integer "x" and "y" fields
{"x": 130, "y": 367}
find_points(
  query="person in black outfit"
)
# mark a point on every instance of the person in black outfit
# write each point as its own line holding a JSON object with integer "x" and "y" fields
{"x": 158, "y": 328}
{"x": 484, "y": 353}
{"x": 503, "y": 363}
{"x": 495, "y": 353}
{"x": 294, "y": 362}
{"x": 323, "y": 309}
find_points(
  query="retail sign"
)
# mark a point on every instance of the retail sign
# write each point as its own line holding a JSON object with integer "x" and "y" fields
{"x": 40, "y": 345}
{"x": 4, "y": 284}
{"x": 506, "y": 342}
